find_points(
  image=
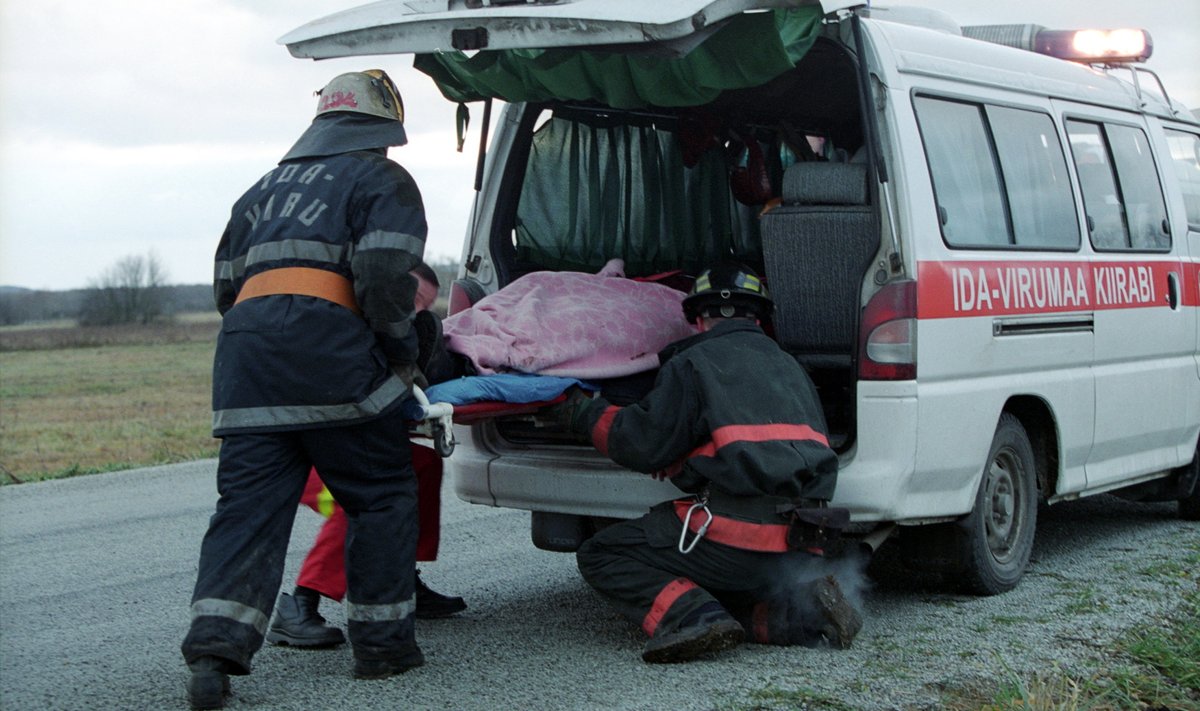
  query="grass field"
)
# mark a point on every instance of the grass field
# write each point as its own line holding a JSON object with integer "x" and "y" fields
{"x": 74, "y": 400}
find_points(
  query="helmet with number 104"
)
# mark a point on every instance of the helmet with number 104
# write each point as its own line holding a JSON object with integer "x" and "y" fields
{"x": 728, "y": 290}
{"x": 371, "y": 92}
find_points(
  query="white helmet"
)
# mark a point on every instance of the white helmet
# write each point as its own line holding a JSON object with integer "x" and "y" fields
{"x": 371, "y": 92}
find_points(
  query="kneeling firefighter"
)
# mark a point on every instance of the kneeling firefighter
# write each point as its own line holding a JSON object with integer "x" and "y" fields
{"x": 733, "y": 420}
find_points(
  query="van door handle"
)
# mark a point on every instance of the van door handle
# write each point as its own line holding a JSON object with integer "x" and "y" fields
{"x": 1173, "y": 291}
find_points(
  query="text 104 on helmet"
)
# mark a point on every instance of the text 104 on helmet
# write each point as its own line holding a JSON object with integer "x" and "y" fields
{"x": 371, "y": 92}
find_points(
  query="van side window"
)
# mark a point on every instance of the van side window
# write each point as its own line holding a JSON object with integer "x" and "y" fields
{"x": 965, "y": 177}
{"x": 1121, "y": 193}
{"x": 1035, "y": 178}
{"x": 1185, "y": 155}
{"x": 999, "y": 174}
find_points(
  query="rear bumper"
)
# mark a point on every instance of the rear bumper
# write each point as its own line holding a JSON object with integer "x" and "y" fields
{"x": 874, "y": 482}
{"x": 570, "y": 480}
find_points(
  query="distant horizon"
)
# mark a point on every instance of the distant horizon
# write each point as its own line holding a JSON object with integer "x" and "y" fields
{"x": 437, "y": 261}
{"x": 14, "y": 287}
{"x": 163, "y": 126}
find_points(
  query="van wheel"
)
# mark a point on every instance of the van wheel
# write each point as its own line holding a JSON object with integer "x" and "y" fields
{"x": 1189, "y": 506}
{"x": 996, "y": 538}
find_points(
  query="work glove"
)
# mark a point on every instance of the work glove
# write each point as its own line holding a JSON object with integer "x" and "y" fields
{"x": 432, "y": 357}
{"x": 572, "y": 413}
{"x": 411, "y": 375}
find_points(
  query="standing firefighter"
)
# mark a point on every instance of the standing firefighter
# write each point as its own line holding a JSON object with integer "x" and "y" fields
{"x": 315, "y": 356}
{"x": 735, "y": 421}
{"x": 298, "y": 621}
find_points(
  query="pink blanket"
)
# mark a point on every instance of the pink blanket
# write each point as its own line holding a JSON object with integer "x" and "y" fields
{"x": 570, "y": 324}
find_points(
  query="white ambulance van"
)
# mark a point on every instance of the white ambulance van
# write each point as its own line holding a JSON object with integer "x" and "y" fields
{"x": 983, "y": 242}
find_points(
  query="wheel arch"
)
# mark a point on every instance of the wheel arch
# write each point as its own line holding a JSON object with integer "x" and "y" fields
{"x": 1041, "y": 426}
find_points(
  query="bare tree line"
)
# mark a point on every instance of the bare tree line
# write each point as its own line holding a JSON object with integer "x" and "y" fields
{"x": 130, "y": 291}
{"x": 133, "y": 290}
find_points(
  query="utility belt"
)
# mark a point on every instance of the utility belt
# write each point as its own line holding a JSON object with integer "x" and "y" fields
{"x": 301, "y": 281}
{"x": 759, "y": 523}
{"x": 756, "y": 509}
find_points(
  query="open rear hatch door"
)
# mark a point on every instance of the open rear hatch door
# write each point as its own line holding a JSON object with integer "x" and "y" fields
{"x": 575, "y": 51}
{"x": 430, "y": 26}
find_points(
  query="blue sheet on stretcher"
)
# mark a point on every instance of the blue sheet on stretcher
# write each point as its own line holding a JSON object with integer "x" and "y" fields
{"x": 501, "y": 387}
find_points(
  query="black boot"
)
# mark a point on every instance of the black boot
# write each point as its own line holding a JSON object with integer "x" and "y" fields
{"x": 433, "y": 359}
{"x": 432, "y": 605}
{"x": 208, "y": 686}
{"x": 707, "y": 630}
{"x": 298, "y": 624}
{"x": 838, "y": 621}
{"x": 398, "y": 663}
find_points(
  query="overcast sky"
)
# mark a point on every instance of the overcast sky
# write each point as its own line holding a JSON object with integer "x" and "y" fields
{"x": 130, "y": 126}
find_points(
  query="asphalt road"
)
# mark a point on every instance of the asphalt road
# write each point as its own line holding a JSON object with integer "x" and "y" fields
{"x": 96, "y": 575}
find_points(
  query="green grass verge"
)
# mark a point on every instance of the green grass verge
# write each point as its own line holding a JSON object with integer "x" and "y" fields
{"x": 1151, "y": 667}
{"x": 79, "y": 410}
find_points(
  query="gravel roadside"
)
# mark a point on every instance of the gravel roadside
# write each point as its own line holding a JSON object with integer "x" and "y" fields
{"x": 1100, "y": 567}
{"x": 96, "y": 573}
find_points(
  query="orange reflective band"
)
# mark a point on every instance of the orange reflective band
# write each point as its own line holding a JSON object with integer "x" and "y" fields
{"x": 603, "y": 425}
{"x": 760, "y": 623}
{"x": 743, "y": 535}
{"x": 663, "y": 601}
{"x": 732, "y": 434}
{"x": 302, "y": 281}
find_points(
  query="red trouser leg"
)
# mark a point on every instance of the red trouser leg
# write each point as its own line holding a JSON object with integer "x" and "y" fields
{"x": 324, "y": 569}
{"x": 428, "y": 466}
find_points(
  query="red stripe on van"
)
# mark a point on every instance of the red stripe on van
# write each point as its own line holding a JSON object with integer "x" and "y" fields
{"x": 960, "y": 289}
{"x": 1191, "y": 283}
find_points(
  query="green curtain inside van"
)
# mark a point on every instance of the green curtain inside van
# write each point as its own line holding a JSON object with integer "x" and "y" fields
{"x": 594, "y": 192}
{"x": 749, "y": 50}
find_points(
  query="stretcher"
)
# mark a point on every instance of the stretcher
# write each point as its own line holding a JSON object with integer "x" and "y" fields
{"x": 434, "y": 420}
{"x": 431, "y": 420}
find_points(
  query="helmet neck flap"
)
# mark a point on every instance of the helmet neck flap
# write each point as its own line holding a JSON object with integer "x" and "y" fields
{"x": 343, "y": 132}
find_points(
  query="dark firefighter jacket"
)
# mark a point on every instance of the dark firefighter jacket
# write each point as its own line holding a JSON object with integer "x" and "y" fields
{"x": 286, "y": 361}
{"x": 729, "y": 411}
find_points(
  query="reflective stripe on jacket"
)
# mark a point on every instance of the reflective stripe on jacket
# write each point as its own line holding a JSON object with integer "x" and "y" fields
{"x": 291, "y": 361}
{"x": 729, "y": 409}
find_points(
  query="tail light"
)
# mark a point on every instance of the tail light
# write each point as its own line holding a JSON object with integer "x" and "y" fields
{"x": 887, "y": 348}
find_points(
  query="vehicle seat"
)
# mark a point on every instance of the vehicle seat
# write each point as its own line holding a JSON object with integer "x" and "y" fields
{"x": 817, "y": 247}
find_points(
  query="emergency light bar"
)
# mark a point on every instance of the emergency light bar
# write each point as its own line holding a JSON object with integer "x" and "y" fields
{"x": 1087, "y": 46}
{"x": 1095, "y": 46}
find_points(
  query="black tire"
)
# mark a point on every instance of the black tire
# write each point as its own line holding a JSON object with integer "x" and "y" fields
{"x": 1189, "y": 506}
{"x": 995, "y": 540}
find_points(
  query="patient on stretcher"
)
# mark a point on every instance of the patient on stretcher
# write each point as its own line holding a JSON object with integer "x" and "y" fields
{"x": 571, "y": 325}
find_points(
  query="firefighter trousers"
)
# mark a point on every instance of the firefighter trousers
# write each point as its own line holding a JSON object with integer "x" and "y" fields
{"x": 260, "y": 478}
{"x": 324, "y": 568}
{"x": 638, "y": 567}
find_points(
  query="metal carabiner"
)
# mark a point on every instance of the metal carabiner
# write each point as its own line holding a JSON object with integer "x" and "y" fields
{"x": 687, "y": 520}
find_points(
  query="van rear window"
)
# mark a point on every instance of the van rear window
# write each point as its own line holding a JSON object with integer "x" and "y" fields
{"x": 999, "y": 176}
{"x": 598, "y": 189}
